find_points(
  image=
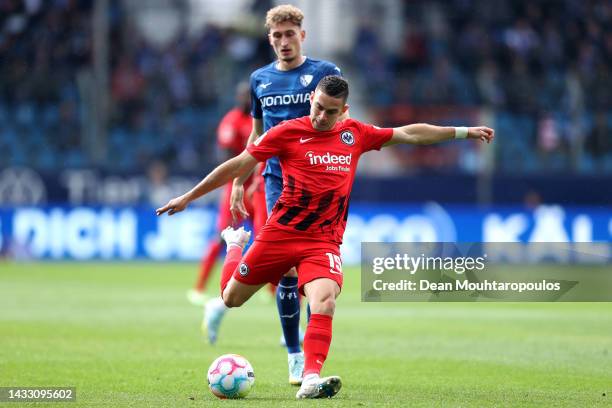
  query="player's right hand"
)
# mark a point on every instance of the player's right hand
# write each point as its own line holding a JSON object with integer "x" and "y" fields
{"x": 175, "y": 205}
{"x": 237, "y": 207}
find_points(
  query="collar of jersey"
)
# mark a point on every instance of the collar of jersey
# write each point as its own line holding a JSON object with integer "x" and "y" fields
{"x": 292, "y": 69}
{"x": 324, "y": 132}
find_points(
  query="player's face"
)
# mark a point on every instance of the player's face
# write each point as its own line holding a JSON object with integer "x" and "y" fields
{"x": 286, "y": 40}
{"x": 325, "y": 110}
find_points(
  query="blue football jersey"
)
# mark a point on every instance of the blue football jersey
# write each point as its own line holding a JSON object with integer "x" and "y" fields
{"x": 282, "y": 95}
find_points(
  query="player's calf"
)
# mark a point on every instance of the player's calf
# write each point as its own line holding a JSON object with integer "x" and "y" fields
{"x": 236, "y": 240}
{"x": 321, "y": 295}
{"x": 288, "y": 304}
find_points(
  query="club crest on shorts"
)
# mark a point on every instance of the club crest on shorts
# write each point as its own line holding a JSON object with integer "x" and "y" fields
{"x": 305, "y": 80}
{"x": 243, "y": 269}
{"x": 347, "y": 138}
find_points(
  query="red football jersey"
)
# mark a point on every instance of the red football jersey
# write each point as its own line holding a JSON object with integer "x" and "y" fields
{"x": 318, "y": 173}
{"x": 234, "y": 131}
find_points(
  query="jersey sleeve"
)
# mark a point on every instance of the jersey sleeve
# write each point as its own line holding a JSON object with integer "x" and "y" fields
{"x": 332, "y": 69}
{"x": 256, "y": 110}
{"x": 269, "y": 144}
{"x": 373, "y": 137}
{"x": 227, "y": 132}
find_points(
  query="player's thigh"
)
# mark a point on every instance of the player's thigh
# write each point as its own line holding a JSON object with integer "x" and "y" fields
{"x": 319, "y": 260}
{"x": 265, "y": 262}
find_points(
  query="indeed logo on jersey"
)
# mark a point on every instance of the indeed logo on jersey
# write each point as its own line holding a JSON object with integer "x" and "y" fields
{"x": 331, "y": 160}
{"x": 277, "y": 100}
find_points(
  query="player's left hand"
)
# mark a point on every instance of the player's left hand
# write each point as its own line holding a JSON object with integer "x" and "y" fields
{"x": 175, "y": 205}
{"x": 483, "y": 133}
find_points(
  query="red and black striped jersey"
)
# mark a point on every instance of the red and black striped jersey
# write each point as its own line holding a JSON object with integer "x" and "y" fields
{"x": 318, "y": 172}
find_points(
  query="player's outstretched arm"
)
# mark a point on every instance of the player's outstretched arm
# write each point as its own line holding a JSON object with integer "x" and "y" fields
{"x": 423, "y": 134}
{"x": 237, "y": 207}
{"x": 225, "y": 172}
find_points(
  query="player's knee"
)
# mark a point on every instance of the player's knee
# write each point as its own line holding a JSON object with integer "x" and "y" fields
{"x": 233, "y": 299}
{"x": 325, "y": 305}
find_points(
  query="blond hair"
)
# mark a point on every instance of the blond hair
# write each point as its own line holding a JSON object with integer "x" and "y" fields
{"x": 282, "y": 13}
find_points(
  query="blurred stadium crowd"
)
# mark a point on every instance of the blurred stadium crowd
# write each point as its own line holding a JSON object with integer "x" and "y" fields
{"x": 538, "y": 69}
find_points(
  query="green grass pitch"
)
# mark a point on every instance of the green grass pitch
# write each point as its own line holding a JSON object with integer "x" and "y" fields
{"x": 124, "y": 335}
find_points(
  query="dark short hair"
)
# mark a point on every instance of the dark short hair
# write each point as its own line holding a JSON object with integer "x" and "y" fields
{"x": 334, "y": 86}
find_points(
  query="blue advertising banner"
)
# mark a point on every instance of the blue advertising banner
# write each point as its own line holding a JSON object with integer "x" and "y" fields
{"x": 124, "y": 233}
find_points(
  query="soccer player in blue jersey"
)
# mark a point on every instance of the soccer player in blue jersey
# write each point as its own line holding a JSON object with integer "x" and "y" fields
{"x": 279, "y": 91}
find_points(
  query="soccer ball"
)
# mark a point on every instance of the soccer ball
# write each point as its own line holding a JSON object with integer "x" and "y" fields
{"x": 231, "y": 376}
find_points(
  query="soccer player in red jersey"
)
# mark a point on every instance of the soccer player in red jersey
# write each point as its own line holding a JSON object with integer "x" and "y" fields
{"x": 232, "y": 135}
{"x": 280, "y": 91}
{"x": 318, "y": 155}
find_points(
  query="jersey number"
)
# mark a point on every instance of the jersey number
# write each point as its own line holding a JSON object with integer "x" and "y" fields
{"x": 335, "y": 263}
